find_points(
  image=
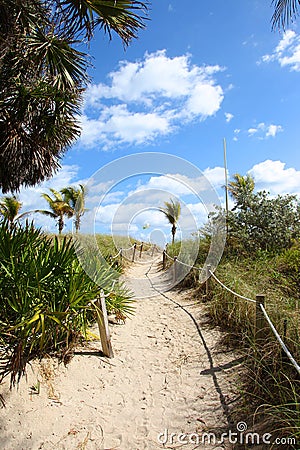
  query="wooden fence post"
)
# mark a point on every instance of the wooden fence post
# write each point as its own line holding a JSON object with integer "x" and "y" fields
{"x": 175, "y": 268}
{"x": 207, "y": 281}
{"x": 121, "y": 256}
{"x": 153, "y": 247}
{"x": 134, "y": 249}
{"x": 141, "y": 249}
{"x": 164, "y": 259}
{"x": 103, "y": 326}
{"x": 259, "y": 318}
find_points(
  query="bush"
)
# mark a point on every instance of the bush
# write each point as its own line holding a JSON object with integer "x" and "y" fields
{"x": 45, "y": 296}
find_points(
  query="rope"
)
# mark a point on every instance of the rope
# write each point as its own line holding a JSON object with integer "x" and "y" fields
{"x": 229, "y": 290}
{"x": 188, "y": 265}
{"x": 283, "y": 346}
{"x": 183, "y": 263}
{"x": 113, "y": 257}
{"x": 127, "y": 249}
{"x": 168, "y": 256}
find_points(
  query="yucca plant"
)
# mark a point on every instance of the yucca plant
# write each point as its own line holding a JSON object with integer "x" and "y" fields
{"x": 45, "y": 296}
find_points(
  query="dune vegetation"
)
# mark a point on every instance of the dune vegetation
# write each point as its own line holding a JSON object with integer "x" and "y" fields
{"x": 261, "y": 257}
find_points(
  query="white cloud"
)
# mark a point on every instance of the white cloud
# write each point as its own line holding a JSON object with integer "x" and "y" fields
{"x": 116, "y": 125}
{"x": 287, "y": 52}
{"x": 133, "y": 203}
{"x": 228, "y": 116}
{"x": 149, "y": 98}
{"x": 273, "y": 176}
{"x": 216, "y": 176}
{"x": 252, "y": 131}
{"x": 272, "y": 130}
{"x": 204, "y": 101}
{"x": 264, "y": 131}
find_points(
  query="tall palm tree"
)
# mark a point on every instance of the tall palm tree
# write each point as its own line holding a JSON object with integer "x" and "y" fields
{"x": 76, "y": 199}
{"x": 172, "y": 211}
{"x": 9, "y": 209}
{"x": 241, "y": 188}
{"x": 43, "y": 76}
{"x": 59, "y": 208}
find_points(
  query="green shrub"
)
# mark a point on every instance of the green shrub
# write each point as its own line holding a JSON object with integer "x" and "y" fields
{"x": 45, "y": 296}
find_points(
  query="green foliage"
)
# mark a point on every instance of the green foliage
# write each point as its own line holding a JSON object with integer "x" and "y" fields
{"x": 9, "y": 209}
{"x": 271, "y": 385}
{"x": 43, "y": 76}
{"x": 264, "y": 223}
{"x": 45, "y": 296}
{"x": 241, "y": 189}
{"x": 251, "y": 266}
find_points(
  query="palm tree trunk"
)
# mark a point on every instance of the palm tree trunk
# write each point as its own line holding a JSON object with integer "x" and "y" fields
{"x": 60, "y": 224}
{"x": 173, "y": 233}
{"x": 77, "y": 223}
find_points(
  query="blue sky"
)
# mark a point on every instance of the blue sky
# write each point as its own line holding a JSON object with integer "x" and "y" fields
{"x": 200, "y": 72}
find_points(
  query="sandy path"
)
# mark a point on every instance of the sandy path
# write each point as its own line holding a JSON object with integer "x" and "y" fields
{"x": 160, "y": 378}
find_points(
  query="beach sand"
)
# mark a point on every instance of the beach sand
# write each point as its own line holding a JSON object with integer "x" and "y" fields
{"x": 168, "y": 375}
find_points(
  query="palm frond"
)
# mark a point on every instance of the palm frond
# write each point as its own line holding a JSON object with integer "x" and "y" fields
{"x": 121, "y": 16}
{"x": 285, "y": 11}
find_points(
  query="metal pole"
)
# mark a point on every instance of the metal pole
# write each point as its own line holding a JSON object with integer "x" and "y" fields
{"x": 226, "y": 182}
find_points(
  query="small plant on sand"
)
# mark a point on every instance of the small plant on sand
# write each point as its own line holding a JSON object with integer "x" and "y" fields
{"x": 46, "y": 297}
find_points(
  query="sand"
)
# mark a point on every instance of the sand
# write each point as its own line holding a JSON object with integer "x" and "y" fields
{"x": 168, "y": 375}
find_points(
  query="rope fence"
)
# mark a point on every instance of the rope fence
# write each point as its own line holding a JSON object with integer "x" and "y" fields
{"x": 229, "y": 290}
{"x": 261, "y": 314}
{"x": 140, "y": 248}
{"x": 283, "y": 346}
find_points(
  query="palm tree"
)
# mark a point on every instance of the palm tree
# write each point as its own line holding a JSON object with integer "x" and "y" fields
{"x": 59, "y": 208}
{"x": 76, "y": 199}
{"x": 43, "y": 76}
{"x": 241, "y": 189}
{"x": 9, "y": 209}
{"x": 172, "y": 212}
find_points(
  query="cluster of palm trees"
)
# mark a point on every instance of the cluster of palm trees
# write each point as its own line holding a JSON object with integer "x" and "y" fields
{"x": 68, "y": 202}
